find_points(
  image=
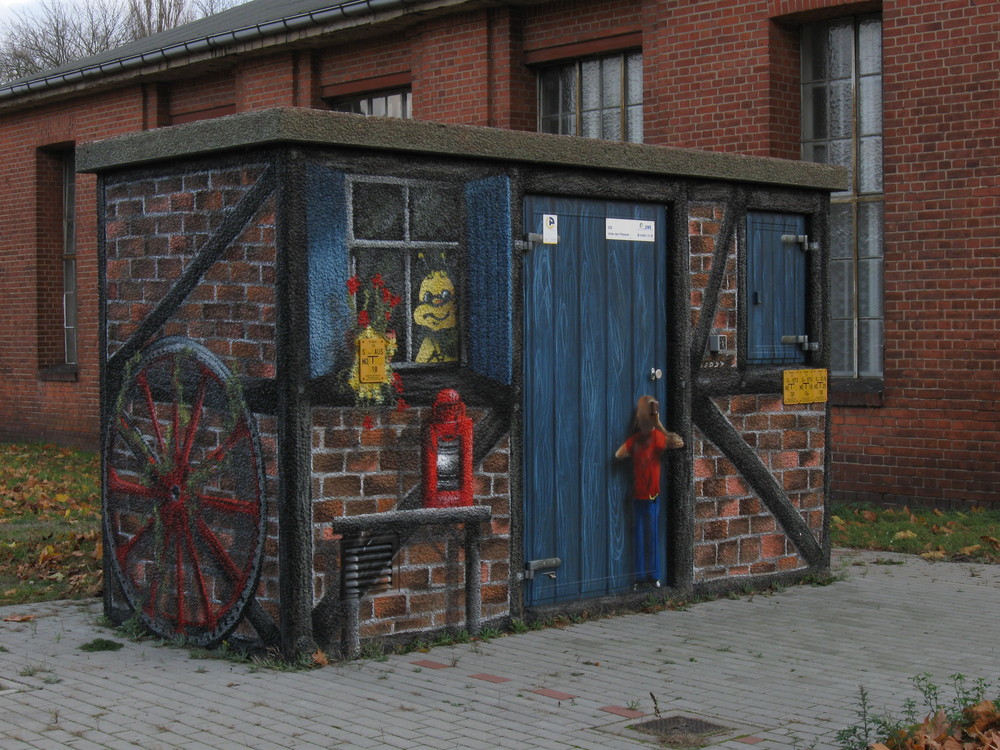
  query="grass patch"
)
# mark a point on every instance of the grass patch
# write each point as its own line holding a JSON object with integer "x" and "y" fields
{"x": 101, "y": 644}
{"x": 960, "y": 536}
{"x": 50, "y": 517}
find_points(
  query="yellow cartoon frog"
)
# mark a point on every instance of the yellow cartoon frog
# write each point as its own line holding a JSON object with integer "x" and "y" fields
{"x": 437, "y": 313}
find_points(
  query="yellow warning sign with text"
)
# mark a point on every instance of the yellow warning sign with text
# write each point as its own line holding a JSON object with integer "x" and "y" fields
{"x": 371, "y": 360}
{"x": 805, "y": 386}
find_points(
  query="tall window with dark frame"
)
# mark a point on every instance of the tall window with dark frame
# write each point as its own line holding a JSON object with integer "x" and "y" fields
{"x": 842, "y": 124}
{"x": 69, "y": 302}
{"x": 382, "y": 104}
{"x": 599, "y": 97}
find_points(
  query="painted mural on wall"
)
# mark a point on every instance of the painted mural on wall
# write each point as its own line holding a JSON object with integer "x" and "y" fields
{"x": 190, "y": 465}
{"x": 316, "y": 400}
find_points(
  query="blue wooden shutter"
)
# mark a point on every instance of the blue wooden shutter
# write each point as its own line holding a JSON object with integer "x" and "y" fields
{"x": 775, "y": 289}
{"x": 326, "y": 220}
{"x": 489, "y": 277}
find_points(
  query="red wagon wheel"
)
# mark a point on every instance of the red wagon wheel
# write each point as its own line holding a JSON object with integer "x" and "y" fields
{"x": 184, "y": 493}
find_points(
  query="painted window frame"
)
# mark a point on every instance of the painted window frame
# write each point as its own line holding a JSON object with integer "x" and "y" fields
{"x": 411, "y": 248}
{"x": 847, "y": 130}
{"x": 576, "y": 111}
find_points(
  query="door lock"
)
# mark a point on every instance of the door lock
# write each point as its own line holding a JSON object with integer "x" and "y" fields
{"x": 655, "y": 373}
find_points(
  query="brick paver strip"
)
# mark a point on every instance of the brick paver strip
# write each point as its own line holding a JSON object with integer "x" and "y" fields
{"x": 554, "y": 694}
{"x": 628, "y": 713}
{"x": 749, "y": 740}
{"x": 489, "y": 677}
{"x": 431, "y": 664}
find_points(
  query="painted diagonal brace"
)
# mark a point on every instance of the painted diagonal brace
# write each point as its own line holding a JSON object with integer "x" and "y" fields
{"x": 229, "y": 230}
{"x": 716, "y": 427}
{"x": 734, "y": 203}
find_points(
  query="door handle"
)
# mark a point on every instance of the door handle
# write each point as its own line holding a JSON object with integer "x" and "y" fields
{"x": 655, "y": 373}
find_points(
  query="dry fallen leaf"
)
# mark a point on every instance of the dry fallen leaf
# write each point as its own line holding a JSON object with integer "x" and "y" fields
{"x": 19, "y": 618}
{"x": 904, "y": 535}
{"x": 319, "y": 658}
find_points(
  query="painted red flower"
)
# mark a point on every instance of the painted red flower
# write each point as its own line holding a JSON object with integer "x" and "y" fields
{"x": 363, "y": 319}
{"x": 401, "y": 405}
{"x": 353, "y": 285}
{"x": 368, "y": 423}
{"x": 377, "y": 281}
{"x": 386, "y": 294}
{"x": 394, "y": 299}
{"x": 397, "y": 382}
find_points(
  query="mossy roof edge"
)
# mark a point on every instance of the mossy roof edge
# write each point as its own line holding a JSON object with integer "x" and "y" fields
{"x": 296, "y": 125}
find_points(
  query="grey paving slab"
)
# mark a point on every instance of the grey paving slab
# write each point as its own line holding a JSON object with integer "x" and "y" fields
{"x": 787, "y": 664}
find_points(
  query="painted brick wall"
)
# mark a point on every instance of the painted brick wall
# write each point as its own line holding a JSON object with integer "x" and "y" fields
{"x": 155, "y": 227}
{"x": 370, "y": 471}
{"x": 734, "y": 532}
{"x": 704, "y": 225}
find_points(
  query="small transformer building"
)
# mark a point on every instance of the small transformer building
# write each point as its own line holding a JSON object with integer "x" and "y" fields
{"x": 364, "y": 378}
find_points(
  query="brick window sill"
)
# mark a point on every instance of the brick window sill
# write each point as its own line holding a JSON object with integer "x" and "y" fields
{"x": 59, "y": 373}
{"x": 868, "y": 392}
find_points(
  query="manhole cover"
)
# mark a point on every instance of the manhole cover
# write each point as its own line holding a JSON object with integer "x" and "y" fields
{"x": 680, "y": 731}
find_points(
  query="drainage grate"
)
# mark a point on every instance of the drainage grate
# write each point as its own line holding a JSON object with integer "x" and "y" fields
{"x": 682, "y": 731}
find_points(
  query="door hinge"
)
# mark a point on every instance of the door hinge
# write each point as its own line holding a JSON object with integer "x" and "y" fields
{"x": 549, "y": 564}
{"x": 802, "y": 240}
{"x": 802, "y": 341}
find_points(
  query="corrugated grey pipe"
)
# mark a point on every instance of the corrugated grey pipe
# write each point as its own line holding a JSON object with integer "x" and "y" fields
{"x": 345, "y": 10}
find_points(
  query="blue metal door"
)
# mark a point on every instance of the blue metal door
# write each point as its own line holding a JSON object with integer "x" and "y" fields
{"x": 594, "y": 337}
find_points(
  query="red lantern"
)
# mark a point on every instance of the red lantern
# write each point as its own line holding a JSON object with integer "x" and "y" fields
{"x": 448, "y": 453}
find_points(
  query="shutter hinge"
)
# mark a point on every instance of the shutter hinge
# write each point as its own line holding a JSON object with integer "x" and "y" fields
{"x": 802, "y": 341}
{"x": 802, "y": 240}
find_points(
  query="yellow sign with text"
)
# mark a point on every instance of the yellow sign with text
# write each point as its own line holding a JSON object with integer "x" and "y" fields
{"x": 371, "y": 360}
{"x": 805, "y": 386}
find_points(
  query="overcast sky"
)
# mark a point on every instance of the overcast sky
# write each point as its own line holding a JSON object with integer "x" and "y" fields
{"x": 7, "y": 7}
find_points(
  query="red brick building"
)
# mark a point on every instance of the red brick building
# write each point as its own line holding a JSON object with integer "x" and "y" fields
{"x": 904, "y": 94}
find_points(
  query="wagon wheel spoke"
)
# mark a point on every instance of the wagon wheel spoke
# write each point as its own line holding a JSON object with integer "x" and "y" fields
{"x": 143, "y": 382}
{"x": 134, "y": 441}
{"x": 209, "y": 617}
{"x": 186, "y": 529}
{"x": 195, "y": 420}
{"x": 216, "y": 459}
{"x": 230, "y": 505}
{"x": 123, "y": 551}
{"x": 220, "y": 553}
{"x": 179, "y": 583}
{"x": 128, "y": 487}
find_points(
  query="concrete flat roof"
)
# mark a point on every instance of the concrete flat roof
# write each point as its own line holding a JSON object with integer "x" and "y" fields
{"x": 297, "y": 125}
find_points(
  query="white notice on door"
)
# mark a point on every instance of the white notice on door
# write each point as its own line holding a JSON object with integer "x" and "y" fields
{"x": 550, "y": 229}
{"x": 630, "y": 230}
